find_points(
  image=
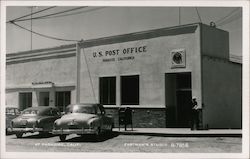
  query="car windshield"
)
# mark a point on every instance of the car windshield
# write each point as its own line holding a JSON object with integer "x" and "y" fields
{"x": 30, "y": 112}
{"x": 80, "y": 109}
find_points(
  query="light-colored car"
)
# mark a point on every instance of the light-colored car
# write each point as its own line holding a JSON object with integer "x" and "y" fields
{"x": 83, "y": 119}
{"x": 10, "y": 114}
{"x": 35, "y": 119}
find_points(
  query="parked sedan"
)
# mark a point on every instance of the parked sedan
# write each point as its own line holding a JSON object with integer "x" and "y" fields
{"x": 83, "y": 119}
{"x": 10, "y": 113}
{"x": 35, "y": 119}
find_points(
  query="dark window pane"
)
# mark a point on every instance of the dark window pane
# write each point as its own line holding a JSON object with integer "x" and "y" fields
{"x": 130, "y": 90}
{"x": 63, "y": 100}
{"x": 108, "y": 90}
{"x": 25, "y": 100}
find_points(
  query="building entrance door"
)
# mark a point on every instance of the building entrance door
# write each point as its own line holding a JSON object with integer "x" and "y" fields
{"x": 184, "y": 107}
{"x": 178, "y": 96}
{"x": 43, "y": 98}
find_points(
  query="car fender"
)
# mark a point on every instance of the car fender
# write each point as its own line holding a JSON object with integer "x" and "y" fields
{"x": 95, "y": 121}
{"x": 46, "y": 121}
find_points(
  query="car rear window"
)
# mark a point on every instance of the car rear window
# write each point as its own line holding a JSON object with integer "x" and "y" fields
{"x": 30, "y": 112}
{"x": 81, "y": 109}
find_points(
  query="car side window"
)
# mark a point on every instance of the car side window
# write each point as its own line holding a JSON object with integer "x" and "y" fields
{"x": 49, "y": 113}
{"x": 57, "y": 112}
{"x": 54, "y": 112}
{"x": 102, "y": 111}
{"x": 98, "y": 111}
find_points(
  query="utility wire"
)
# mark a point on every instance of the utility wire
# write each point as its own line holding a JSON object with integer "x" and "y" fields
{"x": 43, "y": 35}
{"x": 31, "y": 14}
{"x": 228, "y": 15}
{"x": 85, "y": 11}
{"x": 31, "y": 27}
{"x": 198, "y": 14}
{"x": 51, "y": 14}
{"x": 230, "y": 18}
{"x": 91, "y": 82}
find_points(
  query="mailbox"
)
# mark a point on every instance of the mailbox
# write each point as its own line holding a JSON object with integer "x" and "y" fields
{"x": 125, "y": 117}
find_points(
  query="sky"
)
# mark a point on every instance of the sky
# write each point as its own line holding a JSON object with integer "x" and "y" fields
{"x": 95, "y": 22}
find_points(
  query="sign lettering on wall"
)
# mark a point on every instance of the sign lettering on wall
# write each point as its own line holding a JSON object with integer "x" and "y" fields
{"x": 119, "y": 54}
{"x": 42, "y": 82}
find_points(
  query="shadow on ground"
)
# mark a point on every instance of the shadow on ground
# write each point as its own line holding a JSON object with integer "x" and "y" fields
{"x": 92, "y": 138}
{"x": 37, "y": 136}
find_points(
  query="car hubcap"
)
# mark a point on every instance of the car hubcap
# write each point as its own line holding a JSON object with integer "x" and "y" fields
{"x": 62, "y": 137}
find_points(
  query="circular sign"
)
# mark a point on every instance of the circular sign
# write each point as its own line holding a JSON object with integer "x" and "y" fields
{"x": 177, "y": 58}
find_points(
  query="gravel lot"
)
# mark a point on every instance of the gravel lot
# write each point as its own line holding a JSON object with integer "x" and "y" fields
{"x": 123, "y": 143}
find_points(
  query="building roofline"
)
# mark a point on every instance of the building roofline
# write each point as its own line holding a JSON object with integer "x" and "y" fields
{"x": 113, "y": 39}
{"x": 148, "y": 34}
{"x": 89, "y": 41}
{"x": 41, "y": 50}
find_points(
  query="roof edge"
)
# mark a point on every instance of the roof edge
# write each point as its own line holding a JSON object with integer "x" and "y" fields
{"x": 89, "y": 41}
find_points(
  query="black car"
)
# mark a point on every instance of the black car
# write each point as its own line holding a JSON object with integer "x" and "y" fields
{"x": 35, "y": 119}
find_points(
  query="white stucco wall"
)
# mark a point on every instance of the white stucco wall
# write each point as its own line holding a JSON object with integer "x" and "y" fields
{"x": 11, "y": 99}
{"x": 19, "y": 78}
{"x": 151, "y": 66}
{"x": 222, "y": 94}
{"x": 59, "y": 71}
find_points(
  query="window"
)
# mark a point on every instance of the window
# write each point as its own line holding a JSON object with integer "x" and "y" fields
{"x": 88, "y": 109}
{"x": 63, "y": 100}
{"x": 25, "y": 100}
{"x": 108, "y": 90}
{"x": 100, "y": 110}
{"x": 130, "y": 90}
{"x": 43, "y": 98}
{"x": 54, "y": 112}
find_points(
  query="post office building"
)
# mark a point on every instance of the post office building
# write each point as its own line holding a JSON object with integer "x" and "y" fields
{"x": 155, "y": 73}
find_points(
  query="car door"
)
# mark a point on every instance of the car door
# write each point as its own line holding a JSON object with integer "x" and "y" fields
{"x": 52, "y": 115}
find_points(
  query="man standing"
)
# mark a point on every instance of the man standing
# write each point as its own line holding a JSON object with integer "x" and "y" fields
{"x": 194, "y": 115}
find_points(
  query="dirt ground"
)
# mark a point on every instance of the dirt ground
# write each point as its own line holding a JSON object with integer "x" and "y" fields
{"x": 124, "y": 143}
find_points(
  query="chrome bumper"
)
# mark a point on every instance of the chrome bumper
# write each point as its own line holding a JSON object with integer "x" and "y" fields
{"x": 74, "y": 131}
{"x": 24, "y": 130}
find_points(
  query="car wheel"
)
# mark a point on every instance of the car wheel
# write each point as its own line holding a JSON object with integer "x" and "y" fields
{"x": 62, "y": 137}
{"x": 19, "y": 135}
